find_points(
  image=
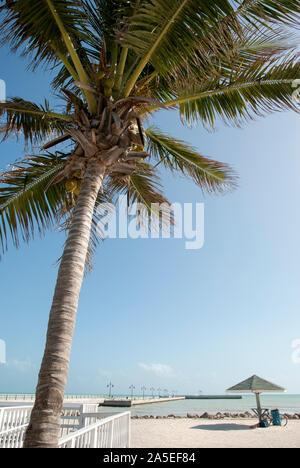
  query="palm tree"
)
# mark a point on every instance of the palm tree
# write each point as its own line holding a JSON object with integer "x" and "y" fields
{"x": 117, "y": 62}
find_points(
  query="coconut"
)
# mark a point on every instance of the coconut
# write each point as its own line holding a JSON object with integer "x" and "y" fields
{"x": 71, "y": 185}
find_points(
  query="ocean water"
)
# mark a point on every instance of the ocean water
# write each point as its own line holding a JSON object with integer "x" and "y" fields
{"x": 285, "y": 403}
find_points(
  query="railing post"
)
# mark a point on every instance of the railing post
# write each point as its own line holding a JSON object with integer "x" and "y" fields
{"x": 94, "y": 438}
{"x": 1, "y": 417}
{"x": 81, "y": 417}
{"x": 112, "y": 433}
{"x": 129, "y": 430}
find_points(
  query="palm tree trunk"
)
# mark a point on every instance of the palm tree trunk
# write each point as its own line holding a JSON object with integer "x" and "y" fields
{"x": 44, "y": 427}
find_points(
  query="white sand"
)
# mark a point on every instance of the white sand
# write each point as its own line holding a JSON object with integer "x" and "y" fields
{"x": 202, "y": 433}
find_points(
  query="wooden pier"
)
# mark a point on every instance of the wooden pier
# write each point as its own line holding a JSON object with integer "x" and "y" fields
{"x": 127, "y": 403}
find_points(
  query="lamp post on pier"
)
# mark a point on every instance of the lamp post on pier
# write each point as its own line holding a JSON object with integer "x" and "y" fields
{"x": 143, "y": 390}
{"x": 110, "y": 386}
{"x": 132, "y": 387}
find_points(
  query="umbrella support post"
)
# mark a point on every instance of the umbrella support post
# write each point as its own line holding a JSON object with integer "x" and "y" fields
{"x": 259, "y": 410}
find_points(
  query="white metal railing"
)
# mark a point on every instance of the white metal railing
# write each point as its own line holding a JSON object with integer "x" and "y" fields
{"x": 112, "y": 432}
{"x": 77, "y": 418}
{"x": 13, "y": 438}
{"x": 14, "y": 416}
{"x": 114, "y": 429}
{"x": 31, "y": 397}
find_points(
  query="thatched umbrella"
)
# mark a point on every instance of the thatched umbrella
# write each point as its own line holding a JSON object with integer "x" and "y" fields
{"x": 257, "y": 386}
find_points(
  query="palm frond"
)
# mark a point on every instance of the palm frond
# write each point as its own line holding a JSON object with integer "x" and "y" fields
{"x": 246, "y": 93}
{"x": 64, "y": 79}
{"x": 36, "y": 122}
{"x": 105, "y": 17}
{"x": 254, "y": 50}
{"x": 269, "y": 11}
{"x": 25, "y": 205}
{"x": 175, "y": 155}
{"x": 143, "y": 187}
{"x": 167, "y": 32}
{"x": 247, "y": 96}
{"x": 32, "y": 28}
{"x": 181, "y": 34}
{"x": 49, "y": 30}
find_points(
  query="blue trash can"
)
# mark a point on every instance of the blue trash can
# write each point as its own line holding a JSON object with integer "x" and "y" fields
{"x": 276, "y": 417}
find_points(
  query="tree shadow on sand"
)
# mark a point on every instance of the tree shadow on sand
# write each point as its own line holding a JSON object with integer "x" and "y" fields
{"x": 223, "y": 427}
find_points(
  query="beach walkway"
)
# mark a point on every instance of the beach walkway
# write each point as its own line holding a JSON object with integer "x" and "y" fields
{"x": 201, "y": 433}
{"x": 11, "y": 400}
{"x": 119, "y": 403}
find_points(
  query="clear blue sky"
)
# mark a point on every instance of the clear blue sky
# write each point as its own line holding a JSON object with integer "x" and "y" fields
{"x": 153, "y": 313}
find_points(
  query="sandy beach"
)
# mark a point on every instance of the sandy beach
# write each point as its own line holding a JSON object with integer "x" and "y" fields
{"x": 200, "y": 433}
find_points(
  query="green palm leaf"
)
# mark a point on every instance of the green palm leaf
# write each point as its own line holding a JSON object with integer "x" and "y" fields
{"x": 165, "y": 32}
{"x": 248, "y": 95}
{"x": 63, "y": 79}
{"x": 25, "y": 205}
{"x": 105, "y": 17}
{"x": 175, "y": 155}
{"x": 246, "y": 92}
{"x": 51, "y": 30}
{"x": 36, "y": 122}
{"x": 269, "y": 11}
{"x": 32, "y": 27}
{"x": 253, "y": 52}
{"x": 181, "y": 34}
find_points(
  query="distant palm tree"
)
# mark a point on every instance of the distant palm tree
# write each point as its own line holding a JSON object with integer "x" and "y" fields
{"x": 117, "y": 62}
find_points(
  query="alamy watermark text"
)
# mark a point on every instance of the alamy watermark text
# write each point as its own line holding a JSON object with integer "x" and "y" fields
{"x": 177, "y": 221}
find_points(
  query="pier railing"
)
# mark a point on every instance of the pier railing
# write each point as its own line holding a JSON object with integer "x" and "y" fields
{"x": 13, "y": 423}
{"x": 13, "y": 438}
{"x": 31, "y": 397}
{"x": 112, "y": 432}
{"x": 81, "y": 427}
{"x": 77, "y": 418}
{"x": 14, "y": 416}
